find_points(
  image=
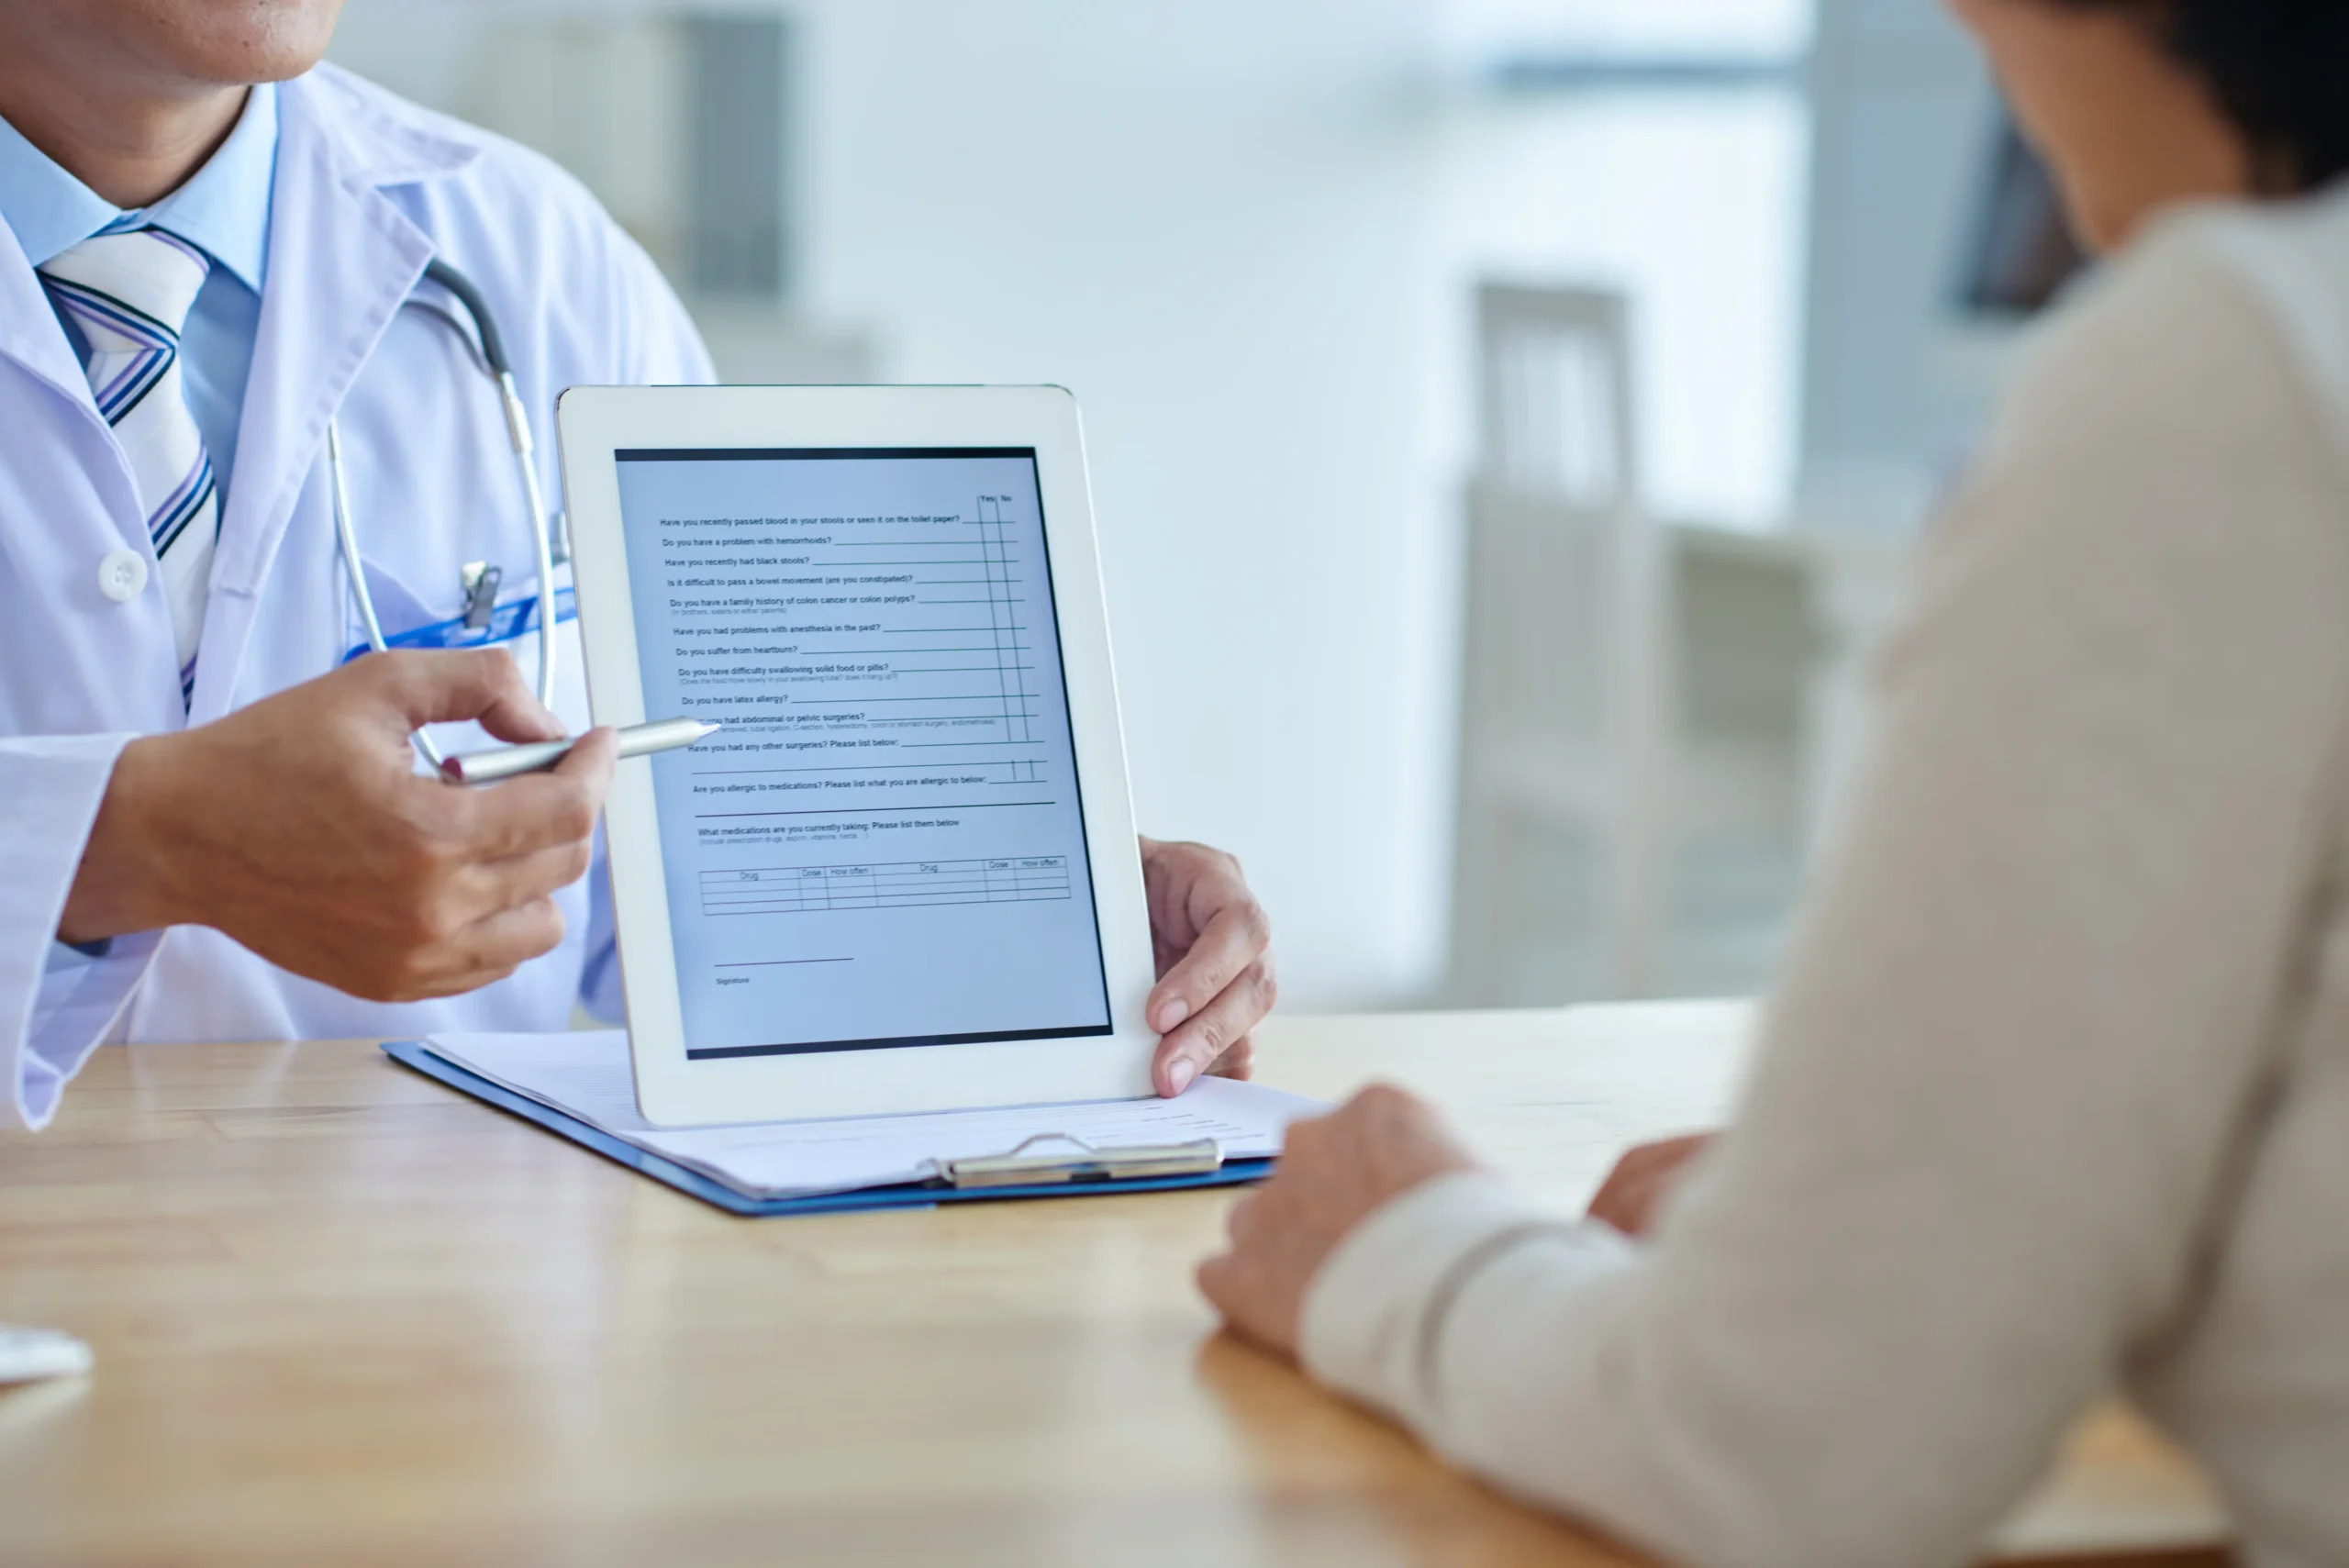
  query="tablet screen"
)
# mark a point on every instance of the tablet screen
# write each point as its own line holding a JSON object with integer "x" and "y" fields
{"x": 885, "y": 846}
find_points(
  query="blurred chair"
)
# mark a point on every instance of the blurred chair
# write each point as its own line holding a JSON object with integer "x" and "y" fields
{"x": 1580, "y": 778}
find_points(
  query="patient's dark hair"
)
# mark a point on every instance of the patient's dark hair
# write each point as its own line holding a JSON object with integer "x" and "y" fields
{"x": 2280, "y": 68}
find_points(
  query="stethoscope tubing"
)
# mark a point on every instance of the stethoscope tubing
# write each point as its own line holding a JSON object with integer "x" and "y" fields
{"x": 519, "y": 436}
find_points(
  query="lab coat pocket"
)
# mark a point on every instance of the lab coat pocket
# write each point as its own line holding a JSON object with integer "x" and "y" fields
{"x": 409, "y": 620}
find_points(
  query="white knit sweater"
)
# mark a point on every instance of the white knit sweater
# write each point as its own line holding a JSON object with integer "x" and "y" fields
{"x": 2056, "y": 1089}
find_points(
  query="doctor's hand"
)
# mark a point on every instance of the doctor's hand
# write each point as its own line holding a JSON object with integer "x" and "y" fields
{"x": 298, "y": 826}
{"x": 1213, "y": 946}
{"x": 1334, "y": 1172}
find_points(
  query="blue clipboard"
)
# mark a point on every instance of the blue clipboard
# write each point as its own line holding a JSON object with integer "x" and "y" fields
{"x": 412, "y": 1055}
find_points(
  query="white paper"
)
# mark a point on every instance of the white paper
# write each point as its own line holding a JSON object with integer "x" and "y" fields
{"x": 586, "y": 1075}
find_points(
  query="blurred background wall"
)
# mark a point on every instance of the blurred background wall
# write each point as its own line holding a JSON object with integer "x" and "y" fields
{"x": 1252, "y": 236}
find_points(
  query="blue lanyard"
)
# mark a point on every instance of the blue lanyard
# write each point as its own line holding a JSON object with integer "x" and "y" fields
{"x": 507, "y": 622}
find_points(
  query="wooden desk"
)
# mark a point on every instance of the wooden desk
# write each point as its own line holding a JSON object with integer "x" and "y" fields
{"x": 343, "y": 1315}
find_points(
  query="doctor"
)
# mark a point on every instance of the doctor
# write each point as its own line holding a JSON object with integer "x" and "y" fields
{"x": 210, "y": 245}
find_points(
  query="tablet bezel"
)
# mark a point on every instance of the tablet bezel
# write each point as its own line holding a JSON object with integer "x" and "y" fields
{"x": 594, "y": 424}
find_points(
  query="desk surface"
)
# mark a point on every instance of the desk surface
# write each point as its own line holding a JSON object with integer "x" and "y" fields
{"x": 343, "y": 1314}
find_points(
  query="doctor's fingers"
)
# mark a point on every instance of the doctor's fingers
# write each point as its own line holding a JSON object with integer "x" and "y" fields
{"x": 484, "y": 889}
{"x": 448, "y": 685}
{"x": 537, "y": 811}
{"x": 1236, "y": 941}
{"x": 483, "y": 952}
{"x": 1237, "y": 1060}
{"x": 1216, "y": 1039}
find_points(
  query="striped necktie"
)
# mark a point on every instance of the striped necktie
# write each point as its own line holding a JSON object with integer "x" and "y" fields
{"x": 130, "y": 294}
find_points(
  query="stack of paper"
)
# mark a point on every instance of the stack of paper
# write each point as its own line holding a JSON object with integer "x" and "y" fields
{"x": 586, "y": 1076}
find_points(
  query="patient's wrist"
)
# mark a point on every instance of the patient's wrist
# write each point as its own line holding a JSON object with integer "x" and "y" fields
{"x": 1364, "y": 1311}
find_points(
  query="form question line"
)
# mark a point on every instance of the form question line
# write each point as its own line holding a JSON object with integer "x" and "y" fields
{"x": 877, "y": 811}
{"x": 870, "y": 767}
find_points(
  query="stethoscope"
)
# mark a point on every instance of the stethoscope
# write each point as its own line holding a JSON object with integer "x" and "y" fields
{"x": 518, "y": 428}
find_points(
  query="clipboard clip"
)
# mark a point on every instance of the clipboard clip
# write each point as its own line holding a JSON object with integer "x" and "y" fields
{"x": 1202, "y": 1157}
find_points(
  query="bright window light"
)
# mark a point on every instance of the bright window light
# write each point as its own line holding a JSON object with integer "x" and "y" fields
{"x": 1733, "y": 29}
{"x": 1694, "y": 204}
{"x": 1660, "y": 147}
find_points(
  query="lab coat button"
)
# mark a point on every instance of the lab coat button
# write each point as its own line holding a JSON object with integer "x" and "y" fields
{"x": 122, "y": 575}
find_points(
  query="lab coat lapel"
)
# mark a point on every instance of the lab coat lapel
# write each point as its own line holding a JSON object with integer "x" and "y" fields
{"x": 342, "y": 258}
{"x": 30, "y": 336}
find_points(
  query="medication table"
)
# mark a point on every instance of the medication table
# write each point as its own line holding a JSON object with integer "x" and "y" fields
{"x": 344, "y": 1314}
{"x": 782, "y": 890}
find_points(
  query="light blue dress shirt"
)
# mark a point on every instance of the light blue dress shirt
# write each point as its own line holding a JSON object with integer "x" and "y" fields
{"x": 223, "y": 210}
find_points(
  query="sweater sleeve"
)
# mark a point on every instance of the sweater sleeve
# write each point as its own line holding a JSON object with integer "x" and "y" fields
{"x": 2022, "y": 1026}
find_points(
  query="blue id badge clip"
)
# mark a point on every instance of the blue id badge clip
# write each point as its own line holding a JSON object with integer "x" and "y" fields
{"x": 502, "y": 623}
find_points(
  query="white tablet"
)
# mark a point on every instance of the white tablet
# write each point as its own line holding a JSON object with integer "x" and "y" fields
{"x": 902, "y": 877}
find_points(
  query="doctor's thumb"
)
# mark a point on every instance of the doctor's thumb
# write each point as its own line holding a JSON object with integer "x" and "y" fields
{"x": 592, "y": 757}
{"x": 449, "y": 685}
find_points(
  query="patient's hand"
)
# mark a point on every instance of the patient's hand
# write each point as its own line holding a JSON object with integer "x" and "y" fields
{"x": 1215, "y": 964}
{"x": 1635, "y": 1190}
{"x": 1334, "y": 1174}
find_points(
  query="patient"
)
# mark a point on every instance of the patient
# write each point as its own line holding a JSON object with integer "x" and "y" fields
{"x": 2055, "y": 1093}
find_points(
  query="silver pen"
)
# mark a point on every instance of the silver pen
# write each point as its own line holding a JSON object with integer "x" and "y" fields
{"x": 635, "y": 740}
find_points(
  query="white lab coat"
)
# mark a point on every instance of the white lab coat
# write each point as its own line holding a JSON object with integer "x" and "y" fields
{"x": 368, "y": 190}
